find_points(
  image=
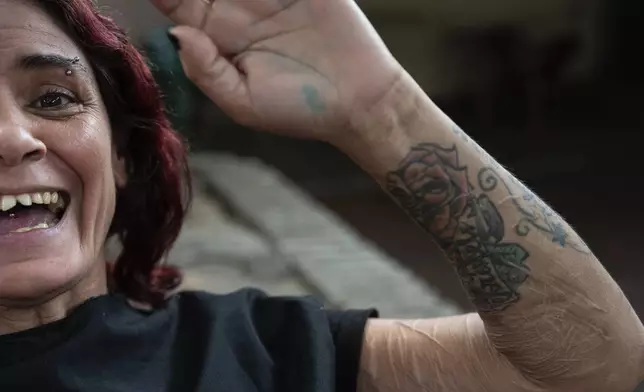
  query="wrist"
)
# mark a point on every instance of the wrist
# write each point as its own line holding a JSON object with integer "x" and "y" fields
{"x": 386, "y": 123}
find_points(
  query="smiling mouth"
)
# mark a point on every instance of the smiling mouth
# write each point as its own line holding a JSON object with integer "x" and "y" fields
{"x": 31, "y": 211}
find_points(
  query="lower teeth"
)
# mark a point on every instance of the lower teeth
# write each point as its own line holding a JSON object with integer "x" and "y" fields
{"x": 43, "y": 225}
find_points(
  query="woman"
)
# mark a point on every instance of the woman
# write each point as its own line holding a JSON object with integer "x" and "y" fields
{"x": 86, "y": 153}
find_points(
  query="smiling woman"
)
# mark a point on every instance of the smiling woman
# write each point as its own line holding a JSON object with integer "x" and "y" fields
{"x": 86, "y": 152}
{"x": 88, "y": 118}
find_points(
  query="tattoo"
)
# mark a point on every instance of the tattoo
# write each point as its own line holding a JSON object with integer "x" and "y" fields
{"x": 535, "y": 214}
{"x": 491, "y": 269}
{"x": 460, "y": 133}
{"x": 313, "y": 99}
{"x": 432, "y": 185}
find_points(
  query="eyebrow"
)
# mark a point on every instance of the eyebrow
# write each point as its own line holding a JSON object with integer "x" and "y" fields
{"x": 44, "y": 61}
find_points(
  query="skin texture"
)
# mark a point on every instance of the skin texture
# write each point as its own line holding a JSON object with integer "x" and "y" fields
{"x": 54, "y": 135}
{"x": 550, "y": 318}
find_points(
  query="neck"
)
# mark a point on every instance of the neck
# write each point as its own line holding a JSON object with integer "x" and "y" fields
{"x": 30, "y": 313}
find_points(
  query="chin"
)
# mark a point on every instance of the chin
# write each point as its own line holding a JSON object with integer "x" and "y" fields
{"x": 41, "y": 264}
{"x": 39, "y": 280}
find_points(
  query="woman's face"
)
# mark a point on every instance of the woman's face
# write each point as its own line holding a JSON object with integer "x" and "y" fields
{"x": 54, "y": 140}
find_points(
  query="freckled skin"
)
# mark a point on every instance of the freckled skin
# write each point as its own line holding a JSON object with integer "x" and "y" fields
{"x": 65, "y": 269}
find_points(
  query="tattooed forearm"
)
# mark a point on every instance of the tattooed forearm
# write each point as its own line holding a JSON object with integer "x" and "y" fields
{"x": 534, "y": 214}
{"x": 433, "y": 186}
{"x": 546, "y": 306}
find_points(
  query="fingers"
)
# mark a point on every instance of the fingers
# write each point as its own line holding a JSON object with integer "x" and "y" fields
{"x": 225, "y": 29}
{"x": 215, "y": 75}
{"x": 185, "y": 12}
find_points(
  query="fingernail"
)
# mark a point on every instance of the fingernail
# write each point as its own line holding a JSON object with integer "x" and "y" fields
{"x": 174, "y": 41}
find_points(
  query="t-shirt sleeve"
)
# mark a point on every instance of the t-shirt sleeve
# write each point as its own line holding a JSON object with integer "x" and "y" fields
{"x": 279, "y": 343}
{"x": 348, "y": 328}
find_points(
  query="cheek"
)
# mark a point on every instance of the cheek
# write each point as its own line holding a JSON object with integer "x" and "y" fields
{"x": 85, "y": 147}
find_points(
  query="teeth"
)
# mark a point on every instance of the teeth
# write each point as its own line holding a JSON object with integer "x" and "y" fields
{"x": 8, "y": 202}
{"x": 26, "y": 229}
{"x": 25, "y": 200}
{"x": 51, "y": 199}
{"x": 57, "y": 204}
{"x": 36, "y": 198}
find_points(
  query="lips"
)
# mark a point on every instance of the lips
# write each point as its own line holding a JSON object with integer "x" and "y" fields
{"x": 31, "y": 211}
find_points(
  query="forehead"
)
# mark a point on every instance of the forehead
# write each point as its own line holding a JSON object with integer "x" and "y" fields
{"x": 26, "y": 29}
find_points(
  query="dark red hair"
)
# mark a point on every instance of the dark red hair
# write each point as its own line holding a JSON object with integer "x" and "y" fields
{"x": 151, "y": 208}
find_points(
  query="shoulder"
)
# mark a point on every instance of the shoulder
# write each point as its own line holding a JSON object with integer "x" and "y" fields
{"x": 261, "y": 332}
{"x": 255, "y": 305}
{"x": 252, "y": 315}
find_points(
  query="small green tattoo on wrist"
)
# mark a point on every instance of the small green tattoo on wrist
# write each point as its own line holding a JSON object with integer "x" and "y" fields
{"x": 313, "y": 99}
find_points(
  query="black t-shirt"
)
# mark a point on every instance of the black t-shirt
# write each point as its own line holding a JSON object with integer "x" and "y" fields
{"x": 244, "y": 341}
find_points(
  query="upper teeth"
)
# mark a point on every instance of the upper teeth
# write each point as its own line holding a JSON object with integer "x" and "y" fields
{"x": 52, "y": 199}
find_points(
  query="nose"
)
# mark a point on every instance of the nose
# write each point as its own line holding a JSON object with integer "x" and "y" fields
{"x": 18, "y": 146}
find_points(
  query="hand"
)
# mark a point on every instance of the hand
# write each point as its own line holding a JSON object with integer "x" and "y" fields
{"x": 301, "y": 68}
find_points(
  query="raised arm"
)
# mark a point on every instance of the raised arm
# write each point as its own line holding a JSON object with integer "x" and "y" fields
{"x": 550, "y": 318}
{"x": 549, "y": 315}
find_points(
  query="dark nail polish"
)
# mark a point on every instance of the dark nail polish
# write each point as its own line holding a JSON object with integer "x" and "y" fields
{"x": 174, "y": 41}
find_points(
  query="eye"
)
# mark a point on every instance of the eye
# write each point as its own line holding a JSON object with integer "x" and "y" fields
{"x": 53, "y": 100}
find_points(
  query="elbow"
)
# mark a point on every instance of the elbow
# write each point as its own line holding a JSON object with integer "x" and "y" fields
{"x": 611, "y": 361}
{"x": 620, "y": 371}
{"x": 625, "y": 370}
{"x": 577, "y": 350}
{"x": 620, "y": 357}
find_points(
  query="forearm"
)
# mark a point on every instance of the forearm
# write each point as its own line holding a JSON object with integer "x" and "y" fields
{"x": 547, "y": 303}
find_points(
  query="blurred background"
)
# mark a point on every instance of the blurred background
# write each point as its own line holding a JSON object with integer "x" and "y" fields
{"x": 551, "y": 88}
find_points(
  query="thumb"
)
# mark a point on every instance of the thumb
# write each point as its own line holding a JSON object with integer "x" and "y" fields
{"x": 215, "y": 75}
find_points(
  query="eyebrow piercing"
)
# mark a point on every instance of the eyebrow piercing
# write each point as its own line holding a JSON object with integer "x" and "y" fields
{"x": 75, "y": 61}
